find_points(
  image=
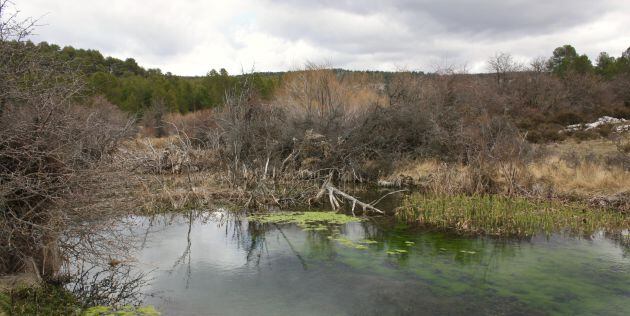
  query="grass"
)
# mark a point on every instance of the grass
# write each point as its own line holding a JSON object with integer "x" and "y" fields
{"x": 585, "y": 179}
{"x": 507, "y": 216}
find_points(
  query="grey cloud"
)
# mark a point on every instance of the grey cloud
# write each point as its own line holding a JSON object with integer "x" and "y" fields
{"x": 426, "y": 29}
{"x": 507, "y": 17}
{"x": 186, "y": 36}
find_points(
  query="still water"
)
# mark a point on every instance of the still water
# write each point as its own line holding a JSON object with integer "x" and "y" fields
{"x": 215, "y": 264}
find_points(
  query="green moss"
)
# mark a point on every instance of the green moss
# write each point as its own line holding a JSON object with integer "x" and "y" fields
{"x": 40, "y": 300}
{"x": 54, "y": 300}
{"x": 499, "y": 215}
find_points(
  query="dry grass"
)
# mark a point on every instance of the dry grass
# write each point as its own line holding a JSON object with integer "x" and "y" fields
{"x": 583, "y": 168}
{"x": 585, "y": 179}
{"x": 596, "y": 147}
{"x": 552, "y": 175}
{"x": 415, "y": 169}
{"x": 172, "y": 175}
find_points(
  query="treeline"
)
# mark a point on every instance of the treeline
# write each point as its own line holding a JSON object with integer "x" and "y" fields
{"x": 565, "y": 59}
{"x": 136, "y": 89}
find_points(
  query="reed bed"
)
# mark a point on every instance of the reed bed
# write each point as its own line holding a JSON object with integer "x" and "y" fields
{"x": 508, "y": 216}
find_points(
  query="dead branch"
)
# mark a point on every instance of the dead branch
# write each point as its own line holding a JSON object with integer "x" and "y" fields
{"x": 335, "y": 203}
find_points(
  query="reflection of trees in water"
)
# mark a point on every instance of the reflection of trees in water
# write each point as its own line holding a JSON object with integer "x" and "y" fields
{"x": 295, "y": 252}
{"x": 622, "y": 239}
{"x": 191, "y": 217}
{"x": 185, "y": 258}
{"x": 256, "y": 243}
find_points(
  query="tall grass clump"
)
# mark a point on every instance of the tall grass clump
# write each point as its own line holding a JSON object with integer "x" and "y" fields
{"x": 507, "y": 216}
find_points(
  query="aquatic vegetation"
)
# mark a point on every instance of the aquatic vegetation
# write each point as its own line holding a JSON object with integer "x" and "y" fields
{"x": 124, "y": 311}
{"x": 514, "y": 216}
{"x": 307, "y": 220}
{"x": 368, "y": 241}
{"x": 344, "y": 241}
{"x": 396, "y": 252}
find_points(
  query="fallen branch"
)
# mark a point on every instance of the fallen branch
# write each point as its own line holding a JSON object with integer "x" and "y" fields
{"x": 335, "y": 204}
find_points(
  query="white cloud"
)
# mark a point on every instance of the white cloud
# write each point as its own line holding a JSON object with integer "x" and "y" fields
{"x": 190, "y": 37}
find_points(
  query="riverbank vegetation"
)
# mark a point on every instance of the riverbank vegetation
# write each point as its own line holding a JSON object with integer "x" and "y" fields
{"x": 508, "y": 216}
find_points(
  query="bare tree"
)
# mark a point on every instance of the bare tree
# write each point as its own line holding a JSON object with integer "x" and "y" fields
{"x": 502, "y": 64}
{"x": 538, "y": 65}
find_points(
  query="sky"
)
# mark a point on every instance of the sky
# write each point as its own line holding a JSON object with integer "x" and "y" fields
{"x": 190, "y": 37}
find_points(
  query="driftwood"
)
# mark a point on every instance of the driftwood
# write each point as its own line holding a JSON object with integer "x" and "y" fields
{"x": 335, "y": 203}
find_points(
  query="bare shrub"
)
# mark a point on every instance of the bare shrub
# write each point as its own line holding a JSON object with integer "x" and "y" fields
{"x": 49, "y": 150}
{"x": 152, "y": 121}
{"x": 194, "y": 124}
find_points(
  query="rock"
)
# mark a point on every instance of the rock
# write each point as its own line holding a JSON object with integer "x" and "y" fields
{"x": 604, "y": 120}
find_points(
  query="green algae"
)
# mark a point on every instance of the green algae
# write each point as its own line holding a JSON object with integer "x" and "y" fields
{"x": 535, "y": 275}
{"x": 315, "y": 221}
{"x": 342, "y": 240}
{"x": 124, "y": 311}
{"x": 368, "y": 241}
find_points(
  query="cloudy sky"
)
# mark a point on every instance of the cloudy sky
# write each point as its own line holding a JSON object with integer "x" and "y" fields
{"x": 190, "y": 37}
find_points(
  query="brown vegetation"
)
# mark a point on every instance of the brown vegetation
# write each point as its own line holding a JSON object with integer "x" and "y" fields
{"x": 52, "y": 145}
{"x": 475, "y": 133}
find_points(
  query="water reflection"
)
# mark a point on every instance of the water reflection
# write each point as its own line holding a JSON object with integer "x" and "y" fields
{"x": 221, "y": 264}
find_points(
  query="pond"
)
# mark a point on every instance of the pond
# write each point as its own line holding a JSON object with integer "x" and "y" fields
{"x": 220, "y": 264}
